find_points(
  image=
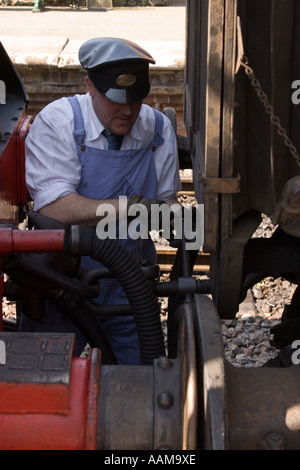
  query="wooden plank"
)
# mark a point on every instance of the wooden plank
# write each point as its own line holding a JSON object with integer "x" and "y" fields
{"x": 166, "y": 256}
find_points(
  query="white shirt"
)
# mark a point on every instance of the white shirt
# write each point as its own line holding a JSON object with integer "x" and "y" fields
{"x": 52, "y": 165}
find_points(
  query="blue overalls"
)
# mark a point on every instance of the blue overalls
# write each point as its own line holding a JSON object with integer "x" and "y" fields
{"x": 107, "y": 174}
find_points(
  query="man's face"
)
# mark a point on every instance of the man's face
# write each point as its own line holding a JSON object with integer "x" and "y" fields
{"x": 116, "y": 118}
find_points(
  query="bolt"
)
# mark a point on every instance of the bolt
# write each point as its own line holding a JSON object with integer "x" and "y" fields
{"x": 274, "y": 441}
{"x": 165, "y": 400}
{"x": 164, "y": 362}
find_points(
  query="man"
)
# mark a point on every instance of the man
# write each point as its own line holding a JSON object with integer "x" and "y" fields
{"x": 71, "y": 168}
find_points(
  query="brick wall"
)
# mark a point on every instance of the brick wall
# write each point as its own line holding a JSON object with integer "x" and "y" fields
{"x": 44, "y": 85}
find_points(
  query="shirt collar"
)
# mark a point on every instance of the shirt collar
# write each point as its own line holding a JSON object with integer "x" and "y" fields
{"x": 135, "y": 131}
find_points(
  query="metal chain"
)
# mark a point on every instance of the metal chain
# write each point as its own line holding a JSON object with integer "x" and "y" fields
{"x": 270, "y": 110}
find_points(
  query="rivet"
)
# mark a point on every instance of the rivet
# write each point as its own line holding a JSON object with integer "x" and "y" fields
{"x": 165, "y": 400}
{"x": 164, "y": 362}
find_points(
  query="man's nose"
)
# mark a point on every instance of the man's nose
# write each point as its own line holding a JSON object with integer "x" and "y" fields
{"x": 126, "y": 108}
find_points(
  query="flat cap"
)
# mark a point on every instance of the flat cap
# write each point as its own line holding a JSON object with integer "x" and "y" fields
{"x": 118, "y": 68}
{"x": 102, "y": 51}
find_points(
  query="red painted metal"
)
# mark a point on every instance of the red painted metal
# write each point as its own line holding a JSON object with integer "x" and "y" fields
{"x": 73, "y": 427}
{"x": 48, "y": 416}
{"x": 30, "y": 241}
{"x": 1, "y": 296}
{"x": 13, "y": 191}
{"x": 20, "y": 241}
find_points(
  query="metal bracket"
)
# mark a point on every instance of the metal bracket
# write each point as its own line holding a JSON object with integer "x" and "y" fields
{"x": 240, "y": 45}
{"x": 220, "y": 185}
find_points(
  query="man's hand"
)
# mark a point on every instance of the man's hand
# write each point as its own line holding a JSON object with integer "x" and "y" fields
{"x": 148, "y": 203}
{"x": 135, "y": 199}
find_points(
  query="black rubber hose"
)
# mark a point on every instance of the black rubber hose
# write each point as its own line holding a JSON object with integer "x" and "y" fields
{"x": 88, "y": 326}
{"x": 127, "y": 271}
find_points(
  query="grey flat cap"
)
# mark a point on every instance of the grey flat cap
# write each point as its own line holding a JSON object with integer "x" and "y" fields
{"x": 118, "y": 68}
{"x": 102, "y": 51}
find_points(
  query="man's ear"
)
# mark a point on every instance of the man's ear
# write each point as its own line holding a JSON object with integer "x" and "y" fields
{"x": 90, "y": 86}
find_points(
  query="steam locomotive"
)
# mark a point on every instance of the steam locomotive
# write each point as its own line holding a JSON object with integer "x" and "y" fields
{"x": 242, "y": 66}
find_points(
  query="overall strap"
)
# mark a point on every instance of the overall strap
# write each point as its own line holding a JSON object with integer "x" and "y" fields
{"x": 79, "y": 131}
{"x": 158, "y": 131}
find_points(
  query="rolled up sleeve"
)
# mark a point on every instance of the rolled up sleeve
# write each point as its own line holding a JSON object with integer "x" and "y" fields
{"x": 51, "y": 161}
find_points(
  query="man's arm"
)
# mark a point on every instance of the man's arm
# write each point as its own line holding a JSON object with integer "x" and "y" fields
{"x": 75, "y": 209}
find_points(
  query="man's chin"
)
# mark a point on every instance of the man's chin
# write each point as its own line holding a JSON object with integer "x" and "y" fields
{"x": 121, "y": 126}
{"x": 121, "y": 130}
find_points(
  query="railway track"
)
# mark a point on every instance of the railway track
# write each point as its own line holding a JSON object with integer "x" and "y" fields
{"x": 166, "y": 256}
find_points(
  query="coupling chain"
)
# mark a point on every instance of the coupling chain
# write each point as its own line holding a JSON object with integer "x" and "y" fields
{"x": 270, "y": 110}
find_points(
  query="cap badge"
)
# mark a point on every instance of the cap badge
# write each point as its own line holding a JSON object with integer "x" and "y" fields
{"x": 126, "y": 80}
